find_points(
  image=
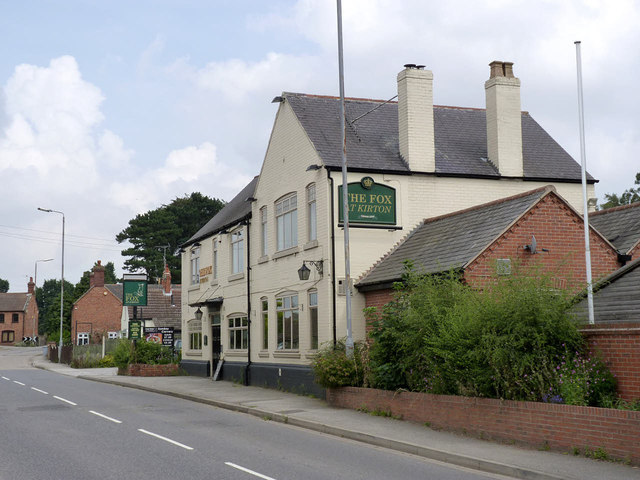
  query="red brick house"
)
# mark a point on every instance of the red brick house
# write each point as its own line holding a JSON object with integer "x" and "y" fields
{"x": 621, "y": 226}
{"x": 19, "y": 316}
{"x": 533, "y": 229}
{"x": 99, "y": 312}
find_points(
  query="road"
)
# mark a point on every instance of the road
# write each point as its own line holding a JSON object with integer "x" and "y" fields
{"x": 60, "y": 427}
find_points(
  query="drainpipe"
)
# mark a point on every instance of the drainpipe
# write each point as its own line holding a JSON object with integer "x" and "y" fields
{"x": 333, "y": 257}
{"x": 247, "y": 368}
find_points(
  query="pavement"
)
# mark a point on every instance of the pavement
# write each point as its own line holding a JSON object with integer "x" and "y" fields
{"x": 316, "y": 415}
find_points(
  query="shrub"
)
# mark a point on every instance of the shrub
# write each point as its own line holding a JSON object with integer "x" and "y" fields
{"x": 143, "y": 352}
{"x": 333, "y": 368}
{"x": 444, "y": 337}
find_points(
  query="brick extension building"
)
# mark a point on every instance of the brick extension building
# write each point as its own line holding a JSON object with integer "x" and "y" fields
{"x": 100, "y": 312}
{"x": 19, "y": 316}
{"x": 533, "y": 229}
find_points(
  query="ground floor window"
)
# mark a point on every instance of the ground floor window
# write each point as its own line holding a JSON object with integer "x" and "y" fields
{"x": 83, "y": 338}
{"x": 313, "y": 318}
{"x": 8, "y": 336}
{"x": 238, "y": 333}
{"x": 288, "y": 322}
{"x": 194, "y": 327}
{"x": 265, "y": 323}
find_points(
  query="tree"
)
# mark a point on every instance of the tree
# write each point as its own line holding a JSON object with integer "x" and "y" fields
{"x": 4, "y": 285}
{"x": 83, "y": 285}
{"x": 630, "y": 195}
{"x": 48, "y": 300}
{"x": 170, "y": 225}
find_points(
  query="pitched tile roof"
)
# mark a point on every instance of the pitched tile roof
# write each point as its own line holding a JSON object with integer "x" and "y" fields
{"x": 620, "y": 225}
{"x": 14, "y": 302}
{"x": 451, "y": 241}
{"x": 234, "y": 211}
{"x": 616, "y": 297}
{"x": 460, "y": 139}
{"x": 164, "y": 310}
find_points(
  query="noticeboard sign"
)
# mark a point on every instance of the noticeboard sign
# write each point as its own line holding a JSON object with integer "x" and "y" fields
{"x": 161, "y": 335}
{"x": 134, "y": 293}
{"x": 369, "y": 202}
{"x": 135, "y": 330}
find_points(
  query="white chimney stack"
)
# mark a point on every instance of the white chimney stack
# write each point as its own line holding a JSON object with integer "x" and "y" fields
{"x": 504, "y": 120}
{"x": 415, "y": 118}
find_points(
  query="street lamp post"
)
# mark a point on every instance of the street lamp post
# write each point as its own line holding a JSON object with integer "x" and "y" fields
{"x": 48, "y": 210}
{"x": 35, "y": 283}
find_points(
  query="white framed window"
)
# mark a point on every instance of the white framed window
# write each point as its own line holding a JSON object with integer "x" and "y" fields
{"x": 287, "y": 222}
{"x": 112, "y": 335}
{"x": 194, "y": 329}
{"x": 215, "y": 258}
{"x": 238, "y": 333}
{"x": 237, "y": 251}
{"x": 312, "y": 229}
{"x": 265, "y": 322}
{"x": 288, "y": 322}
{"x": 83, "y": 338}
{"x": 313, "y": 318}
{"x": 195, "y": 265}
{"x": 263, "y": 230}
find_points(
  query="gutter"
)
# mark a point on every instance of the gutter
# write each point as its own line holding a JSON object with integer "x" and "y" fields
{"x": 333, "y": 258}
{"x": 248, "y": 367}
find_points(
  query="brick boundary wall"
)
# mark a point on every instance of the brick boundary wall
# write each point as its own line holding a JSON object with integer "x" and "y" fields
{"x": 144, "y": 370}
{"x": 619, "y": 347}
{"x": 560, "y": 427}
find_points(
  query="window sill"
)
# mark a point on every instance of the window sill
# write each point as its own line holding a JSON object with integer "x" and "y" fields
{"x": 263, "y": 259}
{"x": 235, "y": 276}
{"x": 195, "y": 286}
{"x": 310, "y": 245}
{"x": 285, "y": 253}
{"x": 194, "y": 353}
{"x": 263, "y": 354}
{"x": 286, "y": 354}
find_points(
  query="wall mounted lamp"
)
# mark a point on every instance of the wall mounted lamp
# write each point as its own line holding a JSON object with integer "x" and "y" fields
{"x": 304, "y": 271}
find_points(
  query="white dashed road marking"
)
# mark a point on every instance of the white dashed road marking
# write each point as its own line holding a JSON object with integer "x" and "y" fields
{"x": 5, "y": 378}
{"x": 19, "y": 383}
{"x": 186, "y": 447}
{"x": 105, "y": 417}
{"x": 64, "y": 400}
{"x": 38, "y": 390}
{"x": 246, "y": 470}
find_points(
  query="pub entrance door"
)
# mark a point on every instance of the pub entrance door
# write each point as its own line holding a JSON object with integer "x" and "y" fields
{"x": 216, "y": 341}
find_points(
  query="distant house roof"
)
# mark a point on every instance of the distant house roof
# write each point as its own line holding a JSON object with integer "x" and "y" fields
{"x": 14, "y": 302}
{"x": 451, "y": 241}
{"x": 163, "y": 309}
{"x": 620, "y": 225}
{"x": 233, "y": 212}
{"x": 616, "y": 297}
{"x": 460, "y": 139}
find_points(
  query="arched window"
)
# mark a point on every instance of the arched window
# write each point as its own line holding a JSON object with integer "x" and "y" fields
{"x": 287, "y": 221}
{"x": 312, "y": 231}
{"x": 288, "y": 322}
{"x": 313, "y": 319}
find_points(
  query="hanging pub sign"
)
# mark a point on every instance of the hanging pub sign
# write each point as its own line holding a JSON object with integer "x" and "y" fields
{"x": 134, "y": 290}
{"x": 369, "y": 202}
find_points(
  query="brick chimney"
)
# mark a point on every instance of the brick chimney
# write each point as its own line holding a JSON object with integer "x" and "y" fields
{"x": 415, "y": 118}
{"x": 31, "y": 287}
{"x": 504, "y": 120}
{"x": 166, "y": 281}
{"x": 96, "y": 277}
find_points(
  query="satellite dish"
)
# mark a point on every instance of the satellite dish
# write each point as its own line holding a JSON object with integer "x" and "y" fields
{"x": 532, "y": 247}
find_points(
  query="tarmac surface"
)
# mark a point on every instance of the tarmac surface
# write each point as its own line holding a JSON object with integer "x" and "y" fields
{"x": 315, "y": 414}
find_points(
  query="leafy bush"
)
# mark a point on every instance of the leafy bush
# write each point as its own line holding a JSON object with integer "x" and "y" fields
{"x": 444, "y": 337}
{"x": 143, "y": 352}
{"x": 333, "y": 368}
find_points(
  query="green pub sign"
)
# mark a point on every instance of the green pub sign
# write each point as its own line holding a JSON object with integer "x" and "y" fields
{"x": 135, "y": 330}
{"x": 369, "y": 202}
{"x": 134, "y": 293}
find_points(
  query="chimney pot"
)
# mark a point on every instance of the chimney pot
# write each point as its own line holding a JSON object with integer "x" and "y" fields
{"x": 96, "y": 277}
{"x": 31, "y": 287}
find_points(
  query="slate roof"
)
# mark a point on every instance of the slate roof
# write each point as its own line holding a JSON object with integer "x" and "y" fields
{"x": 451, "y": 241}
{"x": 616, "y": 297}
{"x": 460, "y": 139}
{"x": 14, "y": 302}
{"x": 620, "y": 225}
{"x": 164, "y": 310}
{"x": 233, "y": 212}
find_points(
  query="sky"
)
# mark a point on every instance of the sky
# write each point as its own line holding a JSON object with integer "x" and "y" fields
{"x": 111, "y": 109}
